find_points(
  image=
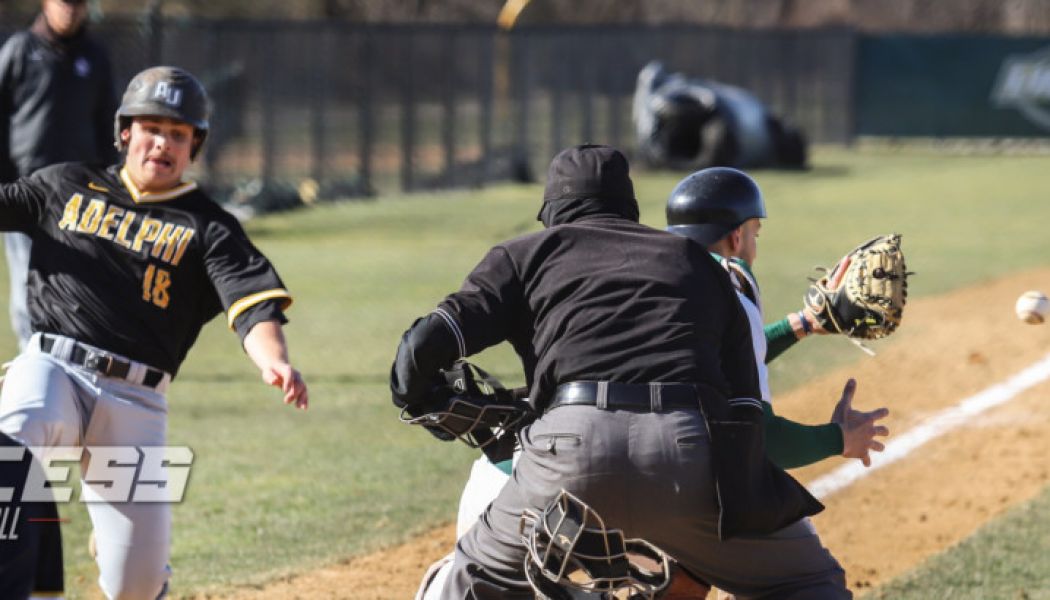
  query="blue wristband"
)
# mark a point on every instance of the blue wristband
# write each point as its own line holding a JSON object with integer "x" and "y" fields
{"x": 806, "y": 329}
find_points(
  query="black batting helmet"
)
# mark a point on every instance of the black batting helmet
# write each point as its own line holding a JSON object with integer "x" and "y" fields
{"x": 710, "y": 203}
{"x": 164, "y": 92}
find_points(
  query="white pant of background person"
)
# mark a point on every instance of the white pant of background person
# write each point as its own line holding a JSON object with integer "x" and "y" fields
{"x": 48, "y": 402}
{"x": 17, "y": 246}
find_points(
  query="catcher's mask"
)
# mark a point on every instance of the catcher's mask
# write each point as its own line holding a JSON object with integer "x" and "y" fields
{"x": 164, "y": 92}
{"x": 469, "y": 404}
{"x": 573, "y": 556}
{"x": 710, "y": 203}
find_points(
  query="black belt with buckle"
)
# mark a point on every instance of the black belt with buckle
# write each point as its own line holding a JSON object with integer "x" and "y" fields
{"x": 653, "y": 397}
{"x": 106, "y": 364}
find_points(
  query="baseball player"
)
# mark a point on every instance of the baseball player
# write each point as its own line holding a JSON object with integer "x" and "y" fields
{"x": 608, "y": 316}
{"x": 721, "y": 208}
{"x": 128, "y": 264}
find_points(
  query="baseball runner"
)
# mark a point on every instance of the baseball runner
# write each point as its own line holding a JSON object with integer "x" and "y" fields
{"x": 608, "y": 317}
{"x": 128, "y": 264}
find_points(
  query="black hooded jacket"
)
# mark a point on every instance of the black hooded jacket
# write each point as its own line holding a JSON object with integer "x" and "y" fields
{"x": 57, "y": 101}
{"x": 595, "y": 296}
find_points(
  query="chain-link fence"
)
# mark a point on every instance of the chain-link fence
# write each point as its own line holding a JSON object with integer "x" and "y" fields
{"x": 334, "y": 110}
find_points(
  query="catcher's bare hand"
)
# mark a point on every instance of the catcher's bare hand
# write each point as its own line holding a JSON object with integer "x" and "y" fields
{"x": 859, "y": 428}
{"x": 284, "y": 376}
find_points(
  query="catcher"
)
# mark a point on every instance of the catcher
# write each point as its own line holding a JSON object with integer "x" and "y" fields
{"x": 861, "y": 297}
{"x": 721, "y": 208}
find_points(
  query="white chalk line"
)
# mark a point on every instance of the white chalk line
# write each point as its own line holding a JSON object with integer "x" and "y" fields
{"x": 900, "y": 446}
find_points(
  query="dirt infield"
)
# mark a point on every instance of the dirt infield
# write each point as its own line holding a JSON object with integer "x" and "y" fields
{"x": 950, "y": 348}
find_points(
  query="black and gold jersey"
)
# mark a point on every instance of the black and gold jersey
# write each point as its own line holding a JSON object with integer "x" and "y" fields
{"x": 135, "y": 273}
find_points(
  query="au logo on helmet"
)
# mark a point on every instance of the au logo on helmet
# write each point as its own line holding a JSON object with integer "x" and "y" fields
{"x": 164, "y": 92}
{"x": 167, "y": 93}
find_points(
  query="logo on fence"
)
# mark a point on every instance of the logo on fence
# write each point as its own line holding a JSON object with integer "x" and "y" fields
{"x": 1024, "y": 83}
{"x": 167, "y": 93}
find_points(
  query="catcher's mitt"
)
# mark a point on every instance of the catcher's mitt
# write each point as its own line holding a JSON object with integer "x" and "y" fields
{"x": 468, "y": 404}
{"x": 863, "y": 295}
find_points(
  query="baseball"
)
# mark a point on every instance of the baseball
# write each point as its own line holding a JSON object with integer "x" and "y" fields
{"x": 1032, "y": 306}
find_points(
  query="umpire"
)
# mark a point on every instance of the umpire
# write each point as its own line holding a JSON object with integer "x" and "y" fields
{"x": 620, "y": 328}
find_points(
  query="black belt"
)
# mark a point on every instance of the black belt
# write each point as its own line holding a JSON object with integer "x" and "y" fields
{"x": 607, "y": 395}
{"x": 101, "y": 362}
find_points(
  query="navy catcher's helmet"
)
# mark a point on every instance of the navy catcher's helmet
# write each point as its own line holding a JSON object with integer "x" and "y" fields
{"x": 710, "y": 203}
{"x": 164, "y": 92}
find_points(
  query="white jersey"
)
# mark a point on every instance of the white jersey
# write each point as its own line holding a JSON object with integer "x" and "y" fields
{"x": 751, "y": 301}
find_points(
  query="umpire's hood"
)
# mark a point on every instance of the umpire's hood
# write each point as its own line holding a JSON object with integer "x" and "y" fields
{"x": 585, "y": 181}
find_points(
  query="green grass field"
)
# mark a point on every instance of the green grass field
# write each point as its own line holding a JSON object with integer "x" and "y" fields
{"x": 1006, "y": 559}
{"x": 275, "y": 491}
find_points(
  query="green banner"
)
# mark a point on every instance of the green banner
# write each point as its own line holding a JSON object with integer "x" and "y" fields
{"x": 953, "y": 85}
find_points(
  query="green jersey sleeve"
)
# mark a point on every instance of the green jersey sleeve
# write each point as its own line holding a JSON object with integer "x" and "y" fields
{"x": 779, "y": 337}
{"x": 790, "y": 445}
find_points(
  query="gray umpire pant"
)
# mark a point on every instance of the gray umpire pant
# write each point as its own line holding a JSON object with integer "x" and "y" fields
{"x": 648, "y": 474}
